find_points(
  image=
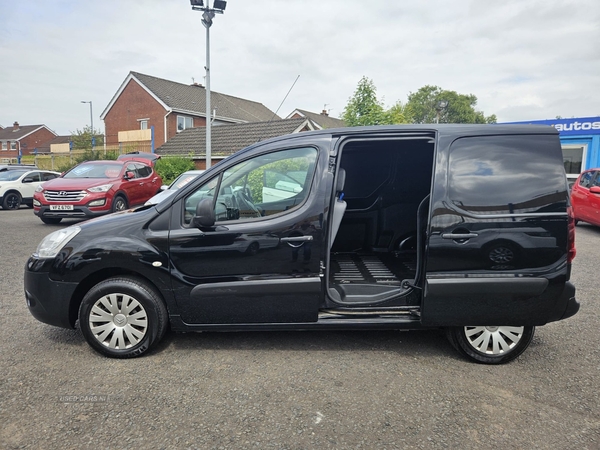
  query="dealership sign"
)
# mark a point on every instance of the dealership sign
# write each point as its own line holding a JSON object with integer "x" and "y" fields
{"x": 571, "y": 127}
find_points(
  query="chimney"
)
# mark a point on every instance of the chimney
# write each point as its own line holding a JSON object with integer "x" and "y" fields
{"x": 16, "y": 126}
{"x": 324, "y": 113}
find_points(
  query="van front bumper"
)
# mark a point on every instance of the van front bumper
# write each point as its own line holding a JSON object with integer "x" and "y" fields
{"x": 48, "y": 300}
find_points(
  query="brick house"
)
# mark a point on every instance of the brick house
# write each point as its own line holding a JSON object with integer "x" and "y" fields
{"x": 228, "y": 139}
{"x": 143, "y": 101}
{"x": 26, "y": 140}
{"x": 322, "y": 120}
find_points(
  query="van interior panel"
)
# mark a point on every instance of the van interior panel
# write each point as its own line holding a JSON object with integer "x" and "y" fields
{"x": 375, "y": 248}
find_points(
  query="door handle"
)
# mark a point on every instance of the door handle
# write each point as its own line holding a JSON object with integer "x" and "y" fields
{"x": 459, "y": 236}
{"x": 296, "y": 241}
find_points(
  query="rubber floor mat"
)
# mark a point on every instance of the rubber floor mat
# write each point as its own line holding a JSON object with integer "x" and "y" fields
{"x": 368, "y": 269}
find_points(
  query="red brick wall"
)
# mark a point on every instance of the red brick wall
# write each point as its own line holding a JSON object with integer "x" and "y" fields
{"x": 38, "y": 139}
{"x": 136, "y": 103}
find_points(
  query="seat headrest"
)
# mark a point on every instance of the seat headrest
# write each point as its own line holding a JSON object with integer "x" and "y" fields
{"x": 341, "y": 180}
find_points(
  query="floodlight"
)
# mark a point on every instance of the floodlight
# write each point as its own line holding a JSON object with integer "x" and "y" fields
{"x": 220, "y": 4}
{"x": 197, "y": 2}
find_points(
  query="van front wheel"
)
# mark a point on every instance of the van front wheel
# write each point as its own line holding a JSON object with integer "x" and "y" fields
{"x": 490, "y": 344}
{"x": 123, "y": 317}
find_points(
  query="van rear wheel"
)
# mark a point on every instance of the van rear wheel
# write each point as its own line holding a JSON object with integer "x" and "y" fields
{"x": 123, "y": 317}
{"x": 490, "y": 344}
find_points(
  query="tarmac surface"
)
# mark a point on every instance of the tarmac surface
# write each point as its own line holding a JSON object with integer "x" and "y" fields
{"x": 293, "y": 390}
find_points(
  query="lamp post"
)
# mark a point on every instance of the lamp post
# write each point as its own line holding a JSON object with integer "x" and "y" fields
{"x": 91, "y": 122}
{"x": 207, "y": 18}
{"x": 439, "y": 108}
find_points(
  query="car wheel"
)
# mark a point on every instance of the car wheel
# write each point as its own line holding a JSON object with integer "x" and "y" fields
{"x": 51, "y": 220}
{"x": 119, "y": 203}
{"x": 12, "y": 200}
{"x": 123, "y": 317}
{"x": 490, "y": 344}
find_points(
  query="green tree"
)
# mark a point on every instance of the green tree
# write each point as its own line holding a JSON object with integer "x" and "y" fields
{"x": 398, "y": 113}
{"x": 423, "y": 107}
{"x": 363, "y": 108}
{"x": 82, "y": 139}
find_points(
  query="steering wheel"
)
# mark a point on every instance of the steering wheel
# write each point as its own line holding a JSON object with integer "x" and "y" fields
{"x": 247, "y": 208}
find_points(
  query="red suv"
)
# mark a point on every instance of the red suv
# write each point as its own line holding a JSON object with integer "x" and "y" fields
{"x": 585, "y": 197}
{"x": 94, "y": 188}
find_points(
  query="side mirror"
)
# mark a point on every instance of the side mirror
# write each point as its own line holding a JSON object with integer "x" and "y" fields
{"x": 27, "y": 180}
{"x": 595, "y": 189}
{"x": 205, "y": 214}
{"x": 129, "y": 175}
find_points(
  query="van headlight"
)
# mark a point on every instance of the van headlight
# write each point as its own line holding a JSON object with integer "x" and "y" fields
{"x": 54, "y": 242}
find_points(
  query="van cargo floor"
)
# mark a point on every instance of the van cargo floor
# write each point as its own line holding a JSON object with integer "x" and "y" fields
{"x": 370, "y": 268}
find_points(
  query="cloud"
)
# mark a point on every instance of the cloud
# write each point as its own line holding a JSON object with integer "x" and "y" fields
{"x": 523, "y": 59}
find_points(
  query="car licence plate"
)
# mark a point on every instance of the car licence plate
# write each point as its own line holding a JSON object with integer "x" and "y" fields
{"x": 61, "y": 207}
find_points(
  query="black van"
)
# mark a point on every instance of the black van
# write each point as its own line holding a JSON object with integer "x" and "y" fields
{"x": 462, "y": 227}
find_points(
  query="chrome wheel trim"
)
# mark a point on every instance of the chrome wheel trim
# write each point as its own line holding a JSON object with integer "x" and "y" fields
{"x": 501, "y": 255}
{"x": 493, "y": 340}
{"x": 120, "y": 204}
{"x": 118, "y": 321}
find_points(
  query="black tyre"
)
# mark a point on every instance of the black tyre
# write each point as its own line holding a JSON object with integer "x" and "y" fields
{"x": 119, "y": 203}
{"x": 491, "y": 344}
{"x": 51, "y": 220}
{"x": 123, "y": 317}
{"x": 12, "y": 200}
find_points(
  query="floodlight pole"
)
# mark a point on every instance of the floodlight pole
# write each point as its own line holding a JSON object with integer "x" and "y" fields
{"x": 207, "y": 18}
{"x": 207, "y": 24}
{"x": 91, "y": 122}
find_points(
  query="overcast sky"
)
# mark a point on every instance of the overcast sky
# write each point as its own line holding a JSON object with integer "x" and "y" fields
{"x": 523, "y": 59}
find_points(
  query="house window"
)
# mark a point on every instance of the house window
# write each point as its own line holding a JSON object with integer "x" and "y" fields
{"x": 143, "y": 124}
{"x": 4, "y": 147}
{"x": 184, "y": 123}
{"x": 13, "y": 145}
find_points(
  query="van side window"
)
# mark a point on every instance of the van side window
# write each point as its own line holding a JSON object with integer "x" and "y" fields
{"x": 262, "y": 186}
{"x": 506, "y": 174}
{"x": 266, "y": 185}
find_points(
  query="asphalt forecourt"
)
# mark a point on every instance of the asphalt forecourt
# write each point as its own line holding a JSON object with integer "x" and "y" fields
{"x": 293, "y": 389}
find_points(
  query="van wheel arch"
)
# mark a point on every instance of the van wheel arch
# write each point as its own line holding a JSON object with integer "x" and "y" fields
{"x": 88, "y": 283}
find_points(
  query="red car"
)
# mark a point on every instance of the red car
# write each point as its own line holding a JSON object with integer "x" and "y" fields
{"x": 585, "y": 197}
{"x": 94, "y": 188}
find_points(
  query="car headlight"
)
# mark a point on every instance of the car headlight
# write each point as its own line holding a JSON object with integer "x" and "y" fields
{"x": 39, "y": 189}
{"x": 54, "y": 242}
{"x": 103, "y": 188}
